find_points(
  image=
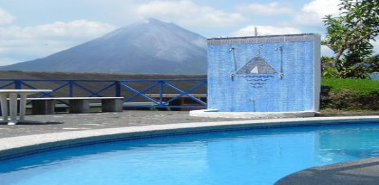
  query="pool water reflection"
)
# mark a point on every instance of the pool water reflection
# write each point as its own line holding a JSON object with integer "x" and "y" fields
{"x": 258, "y": 156}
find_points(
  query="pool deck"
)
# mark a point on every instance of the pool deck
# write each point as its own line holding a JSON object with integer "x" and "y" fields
{"x": 45, "y": 132}
{"x": 42, "y": 124}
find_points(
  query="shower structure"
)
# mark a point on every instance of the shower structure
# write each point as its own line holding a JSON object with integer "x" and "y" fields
{"x": 263, "y": 76}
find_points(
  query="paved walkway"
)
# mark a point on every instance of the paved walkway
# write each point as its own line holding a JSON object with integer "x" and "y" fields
{"x": 39, "y": 124}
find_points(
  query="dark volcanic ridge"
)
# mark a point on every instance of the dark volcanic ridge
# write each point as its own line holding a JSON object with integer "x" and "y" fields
{"x": 90, "y": 76}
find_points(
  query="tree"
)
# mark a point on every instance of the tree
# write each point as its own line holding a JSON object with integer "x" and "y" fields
{"x": 349, "y": 36}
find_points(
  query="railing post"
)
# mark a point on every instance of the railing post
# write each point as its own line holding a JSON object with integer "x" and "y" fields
{"x": 71, "y": 88}
{"x": 161, "y": 91}
{"x": 117, "y": 89}
{"x": 17, "y": 84}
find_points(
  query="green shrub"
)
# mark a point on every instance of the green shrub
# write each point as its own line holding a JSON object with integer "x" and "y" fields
{"x": 350, "y": 94}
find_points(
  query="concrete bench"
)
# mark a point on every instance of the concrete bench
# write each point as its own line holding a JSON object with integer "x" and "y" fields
{"x": 76, "y": 104}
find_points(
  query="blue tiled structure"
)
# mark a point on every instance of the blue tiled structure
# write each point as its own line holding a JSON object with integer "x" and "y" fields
{"x": 264, "y": 73}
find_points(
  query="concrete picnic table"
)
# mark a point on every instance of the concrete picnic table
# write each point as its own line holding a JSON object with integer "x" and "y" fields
{"x": 12, "y": 94}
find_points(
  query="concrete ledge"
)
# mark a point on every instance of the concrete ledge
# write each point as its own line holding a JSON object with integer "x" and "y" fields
{"x": 111, "y": 105}
{"x": 76, "y": 104}
{"x": 25, "y": 145}
{"x": 213, "y": 113}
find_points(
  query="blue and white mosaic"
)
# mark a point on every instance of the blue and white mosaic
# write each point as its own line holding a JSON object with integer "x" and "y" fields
{"x": 264, "y": 74}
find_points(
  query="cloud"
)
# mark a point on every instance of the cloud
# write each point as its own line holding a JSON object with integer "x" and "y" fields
{"x": 326, "y": 51}
{"x": 185, "y": 12}
{"x": 313, "y": 12}
{"x": 18, "y": 43}
{"x": 322, "y": 7}
{"x": 265, "y": 30}
{"x": 74, "y": 29}
{"x": 5, "y": 17}
{"x": 269, "y": 9}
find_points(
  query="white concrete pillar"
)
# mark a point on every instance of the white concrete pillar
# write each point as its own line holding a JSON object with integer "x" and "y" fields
{"x": 22, "y": 106}
{"x": 13, "y": 108}
{"x": 4, "y": 106}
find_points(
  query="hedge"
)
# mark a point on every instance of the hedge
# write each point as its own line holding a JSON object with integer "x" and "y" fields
{"x": 349, "y": 94}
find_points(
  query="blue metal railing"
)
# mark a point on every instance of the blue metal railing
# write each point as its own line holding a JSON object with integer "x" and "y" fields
{"x": 139, "y": 93}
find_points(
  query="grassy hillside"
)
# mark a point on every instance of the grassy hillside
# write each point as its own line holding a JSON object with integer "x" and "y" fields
{"x": 359, "y": 86}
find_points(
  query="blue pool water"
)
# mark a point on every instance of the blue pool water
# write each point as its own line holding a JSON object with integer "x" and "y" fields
{"x": 260, "y": 156}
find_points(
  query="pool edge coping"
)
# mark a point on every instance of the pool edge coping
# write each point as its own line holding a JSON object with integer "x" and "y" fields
{"x": 359, "y": 171}
{"x": 13, "y": 147}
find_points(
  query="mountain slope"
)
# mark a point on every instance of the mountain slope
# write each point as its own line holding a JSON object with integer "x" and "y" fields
{"x": 151, "y": 47}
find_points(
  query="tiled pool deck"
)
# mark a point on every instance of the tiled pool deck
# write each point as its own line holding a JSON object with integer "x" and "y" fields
{"x": 41, "y": 124}
{"x": 44, "y": 132}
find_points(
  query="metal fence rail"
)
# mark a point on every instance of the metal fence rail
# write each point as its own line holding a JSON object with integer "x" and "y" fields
{"x": 139, "y": 93}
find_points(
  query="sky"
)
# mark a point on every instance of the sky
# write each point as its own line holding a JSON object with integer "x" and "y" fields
{"x": 31, "y": 29}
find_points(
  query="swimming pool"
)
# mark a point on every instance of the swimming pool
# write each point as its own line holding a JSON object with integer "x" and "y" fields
{"x": 257, "y": 156}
